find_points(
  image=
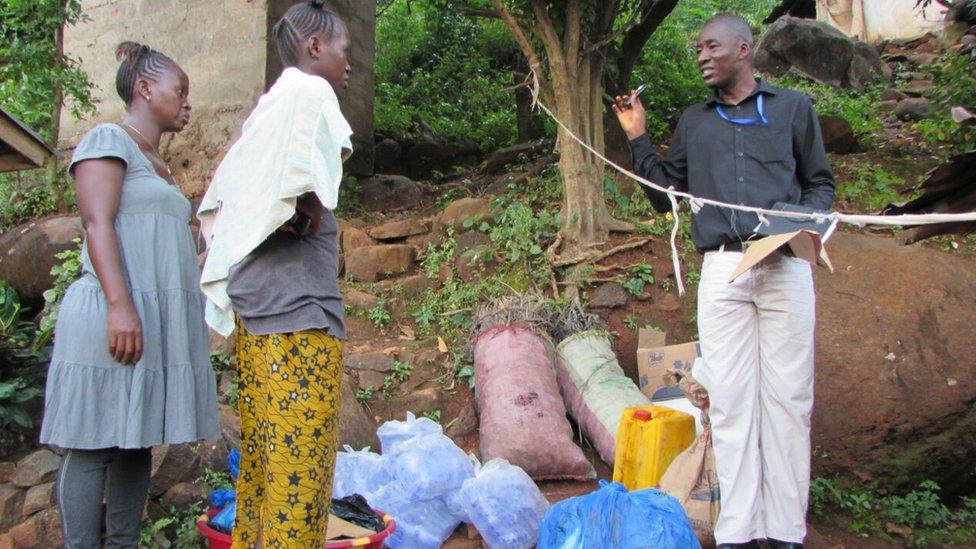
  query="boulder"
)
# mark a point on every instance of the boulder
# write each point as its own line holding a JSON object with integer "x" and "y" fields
{"x": 388, "y": 153}
{"x": 11, "y": 505}
{"x": 27, "y": 255}
{"x": 38, "y": 498}
{"x": 609, "y": 295}
{"x": 173, "y": 464}
{"x": 359, "y": 300}
{"x": 821, "y": 52}
{"x": 355, "y": 427}
{"x": 352, "y": 238}
{"x": 918, "y": 88}
{"x": 184, "y": 494}
{"x": 838, "y": 135}
{"x": 465, "y": 424}
{"x": 914, "y": 109}
{"x": 389, "y": 192}
{"x": 37, "y": 468}
{"x": 896, "y": 323}
{"x": 509, "y": 155}
{"x": 892, "y": 94}
{"x": 6, "y": 471}
{"x": 428, "y": 153}
{"x": 41, "y": 531}
{"x": 372, "y": 263}
{"x": 394, "y": 230}
{"x": 461, "y": 210}
{"x": 922, "y": 59}
{"x": 409, "y": 287}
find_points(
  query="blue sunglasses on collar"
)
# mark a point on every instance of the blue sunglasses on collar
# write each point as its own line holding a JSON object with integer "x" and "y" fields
{"x": 761, "y": 121}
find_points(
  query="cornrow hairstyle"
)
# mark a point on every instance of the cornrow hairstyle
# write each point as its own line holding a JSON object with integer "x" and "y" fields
{"x": 138, "y": 61}
{"x": 300, "y": 22}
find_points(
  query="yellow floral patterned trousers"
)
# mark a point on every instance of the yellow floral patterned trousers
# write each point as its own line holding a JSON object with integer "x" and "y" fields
{"x": 288, "y": 399}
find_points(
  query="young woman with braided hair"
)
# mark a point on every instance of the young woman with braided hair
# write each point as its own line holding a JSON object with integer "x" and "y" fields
{"x": 130, "y": 367}
{"x": 273, "y": 264}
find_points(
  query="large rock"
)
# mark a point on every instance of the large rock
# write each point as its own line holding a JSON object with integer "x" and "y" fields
{"x": 516, "y": 153}
{"x": 895, "y": 380}
{"x": 397, "y": 229}
{"x": 355, "y": 427}
{"x": 461, "y": 210}
{"x": 428, "y": 153}
{"x": 38, "y": 498}
{"x": 838, "y": 135}
{"x": 913, "y": 109}
{"x": 37, "y": 468}
{"x": 372, "y": 263}
{"x": 27, "y": 255}
{"x": 821, "y": 52}
{"x": 184, "y": 494}
{"x": 11, "y": 505}
{"x": 609, "y": 295}
{"x": 382, "y": 193}
{"x": 353, "y": 237}
{"x": 40, "y": 531}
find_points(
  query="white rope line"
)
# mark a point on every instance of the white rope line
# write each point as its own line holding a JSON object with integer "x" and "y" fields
{"x": 854, "y": 219}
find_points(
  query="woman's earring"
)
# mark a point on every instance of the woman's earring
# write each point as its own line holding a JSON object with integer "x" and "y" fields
{"x": 148, "y": 99}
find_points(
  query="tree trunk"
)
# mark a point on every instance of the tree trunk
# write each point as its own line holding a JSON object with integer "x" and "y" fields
{"x": 528, "y": 123}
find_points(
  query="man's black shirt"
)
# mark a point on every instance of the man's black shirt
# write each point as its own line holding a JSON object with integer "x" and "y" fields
{"x": 751, "y": 165}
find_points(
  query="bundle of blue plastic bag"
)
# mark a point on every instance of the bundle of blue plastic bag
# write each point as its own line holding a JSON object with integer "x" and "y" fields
{"x": 505, "y": 505}
{"x": 416, "y": 480}
{"x": 613, "y": 517}
{"x": 226, "y": 498}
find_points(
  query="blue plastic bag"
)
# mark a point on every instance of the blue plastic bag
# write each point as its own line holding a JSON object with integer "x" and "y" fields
{"x": 224, "y": 520}
{"x": 222, "y": 496}
{"x": 430, "y": 466}
{"x": 360, "y": 472}
{"x": 234, "y": 463}
{"x": 613, "y": 517}
{"x": 504, "y": 504}
{"x": 393, "y": 433}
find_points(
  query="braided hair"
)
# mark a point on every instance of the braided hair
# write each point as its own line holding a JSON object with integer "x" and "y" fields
{"x": 299, "y": 22}
{"x": 138, "y": 61}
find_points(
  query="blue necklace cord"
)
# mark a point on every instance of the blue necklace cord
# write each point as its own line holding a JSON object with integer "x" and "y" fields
{"x": 761, "y": 121}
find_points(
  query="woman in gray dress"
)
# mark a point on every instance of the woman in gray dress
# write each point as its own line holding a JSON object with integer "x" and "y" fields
{"x": 130, "y": 367}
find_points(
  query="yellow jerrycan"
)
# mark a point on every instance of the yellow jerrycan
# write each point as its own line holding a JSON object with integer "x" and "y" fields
{"x": 648, "y": 440}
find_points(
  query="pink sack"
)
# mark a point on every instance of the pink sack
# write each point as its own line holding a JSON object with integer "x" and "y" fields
{"x": 523, "y": 418}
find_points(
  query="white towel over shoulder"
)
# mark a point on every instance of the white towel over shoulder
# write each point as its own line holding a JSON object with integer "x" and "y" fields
{"x": 293, "y": 142}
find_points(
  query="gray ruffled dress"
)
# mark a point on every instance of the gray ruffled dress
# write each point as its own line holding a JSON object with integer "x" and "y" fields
{"x": 169, "y": 396}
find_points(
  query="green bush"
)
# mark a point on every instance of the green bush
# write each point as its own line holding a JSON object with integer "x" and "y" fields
{"x": 955, "y": 86}
{"x": 22, "y": 362}
{"x": 447, "y": 69}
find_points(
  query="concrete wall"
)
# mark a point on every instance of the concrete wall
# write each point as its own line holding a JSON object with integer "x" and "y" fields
{"x": 222, "y": 45}
{"x": 219, "y": 43}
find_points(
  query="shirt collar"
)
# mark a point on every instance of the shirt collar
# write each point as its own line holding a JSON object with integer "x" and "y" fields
{"x": 763, "y": 87}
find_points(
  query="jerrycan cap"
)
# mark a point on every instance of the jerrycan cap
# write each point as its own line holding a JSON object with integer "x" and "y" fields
{"x": 643, "y": 415}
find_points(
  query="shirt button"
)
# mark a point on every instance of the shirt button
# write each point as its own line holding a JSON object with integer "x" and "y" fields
{"x": 738, "y": 129}
{"x": 738, "y": 108}
{"x": 741, "y": 179}
{"x": 740, "y": 154}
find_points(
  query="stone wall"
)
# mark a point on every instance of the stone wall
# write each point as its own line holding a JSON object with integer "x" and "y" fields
{"x": 222, "y": 45}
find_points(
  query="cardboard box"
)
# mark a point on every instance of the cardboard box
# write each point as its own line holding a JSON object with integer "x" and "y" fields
{"x": 805, "y": 244}
{"x": 654, "y": 358}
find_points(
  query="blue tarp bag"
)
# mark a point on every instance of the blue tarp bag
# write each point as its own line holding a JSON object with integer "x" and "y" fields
{"x": 612, "y": 517}
{"x": 224, "y": 520}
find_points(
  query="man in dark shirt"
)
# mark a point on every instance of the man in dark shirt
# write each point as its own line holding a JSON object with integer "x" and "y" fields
{"x": 751, "y": 144}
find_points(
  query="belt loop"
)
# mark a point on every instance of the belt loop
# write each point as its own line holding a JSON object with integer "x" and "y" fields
{"x": 721, "y": 248}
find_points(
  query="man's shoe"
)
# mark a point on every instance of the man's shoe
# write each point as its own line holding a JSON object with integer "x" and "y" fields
{"x": 754, "y": 544}
{"x": 777, "y": 544}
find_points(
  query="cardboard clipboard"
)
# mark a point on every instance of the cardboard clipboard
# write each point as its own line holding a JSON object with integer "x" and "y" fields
{"x": 804, "y": 243}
